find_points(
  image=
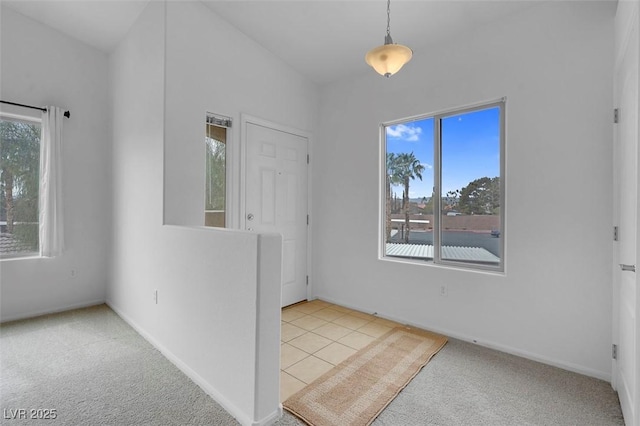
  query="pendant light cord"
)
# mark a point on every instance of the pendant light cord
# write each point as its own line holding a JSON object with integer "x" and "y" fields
{"x": 388, "y": 17}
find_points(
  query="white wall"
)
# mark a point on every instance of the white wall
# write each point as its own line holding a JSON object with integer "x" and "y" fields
{"x": 554, "y": 64}
{"x": 40, "y": 66}
{"x": 218, "y": 311}
{"x": 213, "y": 67}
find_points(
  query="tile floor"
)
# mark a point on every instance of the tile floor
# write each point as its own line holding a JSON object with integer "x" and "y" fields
{"x": 316, "y": 336}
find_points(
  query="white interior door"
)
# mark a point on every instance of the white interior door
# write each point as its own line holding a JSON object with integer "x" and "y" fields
{"x": 276, "y": 199}
{"x": 626, "y": 378}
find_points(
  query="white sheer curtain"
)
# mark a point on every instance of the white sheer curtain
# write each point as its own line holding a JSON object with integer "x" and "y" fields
{"x": 51, "y": 223}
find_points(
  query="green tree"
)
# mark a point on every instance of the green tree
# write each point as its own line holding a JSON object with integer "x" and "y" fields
{"x": 428, "y": 205}
{"x": 453, "y": 199}
{"x": 482, "y": 196}
{"x": 19, "y": 176}
{"x": 406, "y": 167}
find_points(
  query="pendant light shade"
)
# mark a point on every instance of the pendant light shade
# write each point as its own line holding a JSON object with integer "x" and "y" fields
{"x": 389, "y": 58}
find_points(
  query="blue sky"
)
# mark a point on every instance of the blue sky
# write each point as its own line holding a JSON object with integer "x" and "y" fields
{"x": 470, "y": 149}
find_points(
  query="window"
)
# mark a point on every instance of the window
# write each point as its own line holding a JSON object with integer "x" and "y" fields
{"x": 444, "y": 187}
{"x": 19, "y": 186}
{"x": 216, "y": 170}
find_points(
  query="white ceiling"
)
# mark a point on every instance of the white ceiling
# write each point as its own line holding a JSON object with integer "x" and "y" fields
{"x": 323, "y": 39}
{"x": 99, "y": 23}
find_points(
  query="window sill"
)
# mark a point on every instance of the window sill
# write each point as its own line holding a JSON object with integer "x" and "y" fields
{"x": 21, "y": 257}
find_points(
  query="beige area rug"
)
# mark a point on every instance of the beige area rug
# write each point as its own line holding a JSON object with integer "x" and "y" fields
{"x": 358, "y": 389}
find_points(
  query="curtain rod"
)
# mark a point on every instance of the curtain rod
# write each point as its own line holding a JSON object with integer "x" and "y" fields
{"x": 66, "y": 113}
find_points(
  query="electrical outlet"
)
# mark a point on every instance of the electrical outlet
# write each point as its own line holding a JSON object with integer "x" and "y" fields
{"x": 155, "y": 296}
{"x": 444, "y": 292}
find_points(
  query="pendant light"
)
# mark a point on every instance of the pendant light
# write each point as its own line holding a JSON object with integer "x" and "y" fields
{"x": 388, "y": 58}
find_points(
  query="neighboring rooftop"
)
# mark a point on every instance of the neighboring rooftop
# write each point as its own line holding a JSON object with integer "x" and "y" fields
{"x": 425, "y": 251}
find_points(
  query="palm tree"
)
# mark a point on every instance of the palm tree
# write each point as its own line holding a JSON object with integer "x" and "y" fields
{"x": 391, "y": 180}
{"x": 406, "y": 168}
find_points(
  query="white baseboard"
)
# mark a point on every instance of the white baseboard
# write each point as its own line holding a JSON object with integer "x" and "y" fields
{"x": 217, "y": 396}
{"x": 55, "y": 310}
{"x": 602, "y": 375}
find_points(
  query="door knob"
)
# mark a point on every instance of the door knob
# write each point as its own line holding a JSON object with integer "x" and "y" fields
{"x": 250, "y": 216}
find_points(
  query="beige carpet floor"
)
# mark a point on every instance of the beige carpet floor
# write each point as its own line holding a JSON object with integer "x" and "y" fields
{"x": 94, "y": 369}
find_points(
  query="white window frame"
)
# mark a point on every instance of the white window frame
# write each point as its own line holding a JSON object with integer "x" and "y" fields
{"x": 437, "y": 173}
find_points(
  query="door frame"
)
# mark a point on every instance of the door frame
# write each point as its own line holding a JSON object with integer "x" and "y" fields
{"x": 625, "y": 27}
{"x": 250, "y": 119}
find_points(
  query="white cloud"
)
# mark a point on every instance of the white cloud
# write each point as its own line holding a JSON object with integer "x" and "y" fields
{"x": 407, "y": 133}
